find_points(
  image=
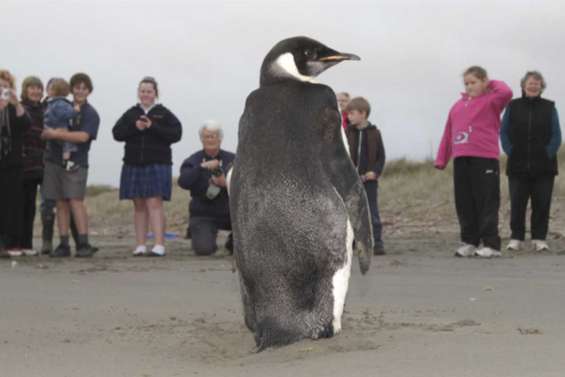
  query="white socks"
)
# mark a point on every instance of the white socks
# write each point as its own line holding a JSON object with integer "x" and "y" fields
{"x": 158, "y": 250}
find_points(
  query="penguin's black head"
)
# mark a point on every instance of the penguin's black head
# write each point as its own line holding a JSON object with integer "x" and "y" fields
{"x": 299, "y": 58}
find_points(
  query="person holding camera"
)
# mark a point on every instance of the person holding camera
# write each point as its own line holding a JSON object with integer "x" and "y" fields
{"x": 148, "y": 130}
{"x": 204, "y": 175}
{"x": 13, "y": 124}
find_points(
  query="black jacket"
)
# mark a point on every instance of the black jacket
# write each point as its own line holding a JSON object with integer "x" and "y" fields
{"x": 197, "y": 179}
{"x": 371, "y": 155}
{"x": 529, "y": 129}
{"x": 18, "y": 126}
{"x": 152, "y": 145}
{"x": 34, "y": 146}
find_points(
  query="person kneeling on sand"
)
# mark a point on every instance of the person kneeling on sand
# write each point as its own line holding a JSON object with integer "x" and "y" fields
{"x": 204, "y": 174}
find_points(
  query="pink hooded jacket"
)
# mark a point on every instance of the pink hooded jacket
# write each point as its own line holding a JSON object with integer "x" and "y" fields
{"x": 473, "y": 125}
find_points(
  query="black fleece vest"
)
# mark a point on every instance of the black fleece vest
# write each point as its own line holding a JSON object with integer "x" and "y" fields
{"x": 530, "y": 133}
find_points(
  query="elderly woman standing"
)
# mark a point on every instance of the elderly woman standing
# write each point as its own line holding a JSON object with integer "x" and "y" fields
{"x": 531, "y": 137}
{"x": 13, "y": 124}
{"x": 204, "y": 174}
{"x": 148, "y": 129}
{"x": 33, "y": 148}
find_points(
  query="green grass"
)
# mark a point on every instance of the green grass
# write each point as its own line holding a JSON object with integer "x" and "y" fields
{"x": 414, "y": 197}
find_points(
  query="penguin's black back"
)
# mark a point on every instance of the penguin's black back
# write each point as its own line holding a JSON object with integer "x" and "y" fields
{"x": 280, "y": 195}
{"x": 283, "y": 125}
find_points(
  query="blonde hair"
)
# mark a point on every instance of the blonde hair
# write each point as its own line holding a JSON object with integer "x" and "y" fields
{"x": 60, "y": 87}
{"x": 477, "y": 71}
{"x": 7, "y": 76}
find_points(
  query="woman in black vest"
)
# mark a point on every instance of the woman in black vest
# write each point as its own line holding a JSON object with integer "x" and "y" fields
{"x": 531, "y": 137}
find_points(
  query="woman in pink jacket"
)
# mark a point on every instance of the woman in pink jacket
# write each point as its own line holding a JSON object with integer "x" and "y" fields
{"x": 471, "y": 138}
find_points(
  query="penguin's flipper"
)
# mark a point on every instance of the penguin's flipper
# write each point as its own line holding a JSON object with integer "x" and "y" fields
{"x": 345, "y": 179}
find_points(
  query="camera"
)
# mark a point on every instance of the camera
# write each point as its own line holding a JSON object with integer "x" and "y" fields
{"x": 217, "y": 172}
{"x": 5, "y": 94}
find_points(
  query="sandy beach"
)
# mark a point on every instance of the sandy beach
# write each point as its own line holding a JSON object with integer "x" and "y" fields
{"x": 418, "y": 312}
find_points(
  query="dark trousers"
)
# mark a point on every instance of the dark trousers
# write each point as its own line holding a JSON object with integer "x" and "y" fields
{"x": 539, "y": 190}
{"x": 477, "y": 200}
{"x": 204, "y": 232}
{"x": 372, "y": 190}
{"x": 28, "y": 208}
{"x": 11, "y": 181}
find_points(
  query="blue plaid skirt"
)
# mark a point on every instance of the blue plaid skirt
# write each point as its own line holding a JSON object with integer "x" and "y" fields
{"x": 146, "y": 181}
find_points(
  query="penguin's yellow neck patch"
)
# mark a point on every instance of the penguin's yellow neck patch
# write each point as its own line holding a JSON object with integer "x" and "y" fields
{"x": 286, "y": 66}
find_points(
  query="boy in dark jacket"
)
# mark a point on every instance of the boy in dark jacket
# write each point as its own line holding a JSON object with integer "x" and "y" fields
{"x": 368, "y": 155}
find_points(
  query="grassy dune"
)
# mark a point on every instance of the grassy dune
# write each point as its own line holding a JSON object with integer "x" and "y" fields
{"x": 414, "y": 198}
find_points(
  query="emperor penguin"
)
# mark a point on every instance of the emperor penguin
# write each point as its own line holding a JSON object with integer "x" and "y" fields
{"x": 296, "y": 200}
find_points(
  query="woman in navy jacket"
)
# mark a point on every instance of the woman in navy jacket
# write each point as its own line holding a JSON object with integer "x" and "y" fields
{"x": 148, "y": 129}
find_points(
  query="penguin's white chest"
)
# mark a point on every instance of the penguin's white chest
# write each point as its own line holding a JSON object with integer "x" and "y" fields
{"x": 340, "y": 281}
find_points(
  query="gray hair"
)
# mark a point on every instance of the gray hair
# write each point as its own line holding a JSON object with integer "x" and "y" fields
{"x": 213, "y": 126}
{"x": 535, "y": 75}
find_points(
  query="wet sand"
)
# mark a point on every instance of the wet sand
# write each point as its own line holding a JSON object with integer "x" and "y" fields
{"x": 418, "y": 312}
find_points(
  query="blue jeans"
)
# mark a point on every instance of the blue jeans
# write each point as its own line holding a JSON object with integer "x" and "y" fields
{"x": 372, "y": 190}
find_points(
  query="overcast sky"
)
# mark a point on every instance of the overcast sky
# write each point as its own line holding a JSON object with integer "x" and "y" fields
{"x": 206, "y": 56}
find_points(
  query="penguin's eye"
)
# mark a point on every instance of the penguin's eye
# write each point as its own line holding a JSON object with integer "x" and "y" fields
{"x": 310, "y": 54}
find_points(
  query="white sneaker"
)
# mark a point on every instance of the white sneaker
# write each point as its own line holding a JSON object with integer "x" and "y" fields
{"x": 140, "y": 250}
{"x": 15, "y": 253}
{"x": 29, "y": 252}
{"x": 514, "y": 245}
{"x": 466, "y": 250}
{"x": 487, "y": 252}
{"x": 540, "y": 245}
{"x": 158, "y": 251}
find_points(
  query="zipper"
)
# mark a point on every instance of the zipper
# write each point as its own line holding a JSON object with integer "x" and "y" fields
{"x": 142, "y": 145}
{"x": 529, "y": 136}
{"x": 359, "y": 146}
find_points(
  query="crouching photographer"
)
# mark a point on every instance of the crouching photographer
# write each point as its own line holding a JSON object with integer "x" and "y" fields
{"x": 204, "y": 175}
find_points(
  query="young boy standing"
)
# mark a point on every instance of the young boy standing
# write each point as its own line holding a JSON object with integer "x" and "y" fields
{"x": 368, "y": 155}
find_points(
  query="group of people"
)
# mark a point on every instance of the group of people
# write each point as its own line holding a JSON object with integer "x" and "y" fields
{"x": 530, "y": 135}
{"x": 45, "y": 142}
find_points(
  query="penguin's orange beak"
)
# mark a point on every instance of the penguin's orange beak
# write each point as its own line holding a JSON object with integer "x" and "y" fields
{"x": 339, "y": 57}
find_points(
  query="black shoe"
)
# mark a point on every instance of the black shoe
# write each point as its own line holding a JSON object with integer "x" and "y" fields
{"x": 379, "y": 250}
{"x": 85, "y": 251}
{"x": 61, "y": 251}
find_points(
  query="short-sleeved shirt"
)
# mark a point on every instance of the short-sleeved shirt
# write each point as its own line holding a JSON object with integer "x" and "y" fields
{"x": 87, "y": 121}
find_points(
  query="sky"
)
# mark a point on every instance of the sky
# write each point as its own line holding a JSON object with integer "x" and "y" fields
{"x": 206, "y": 56}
